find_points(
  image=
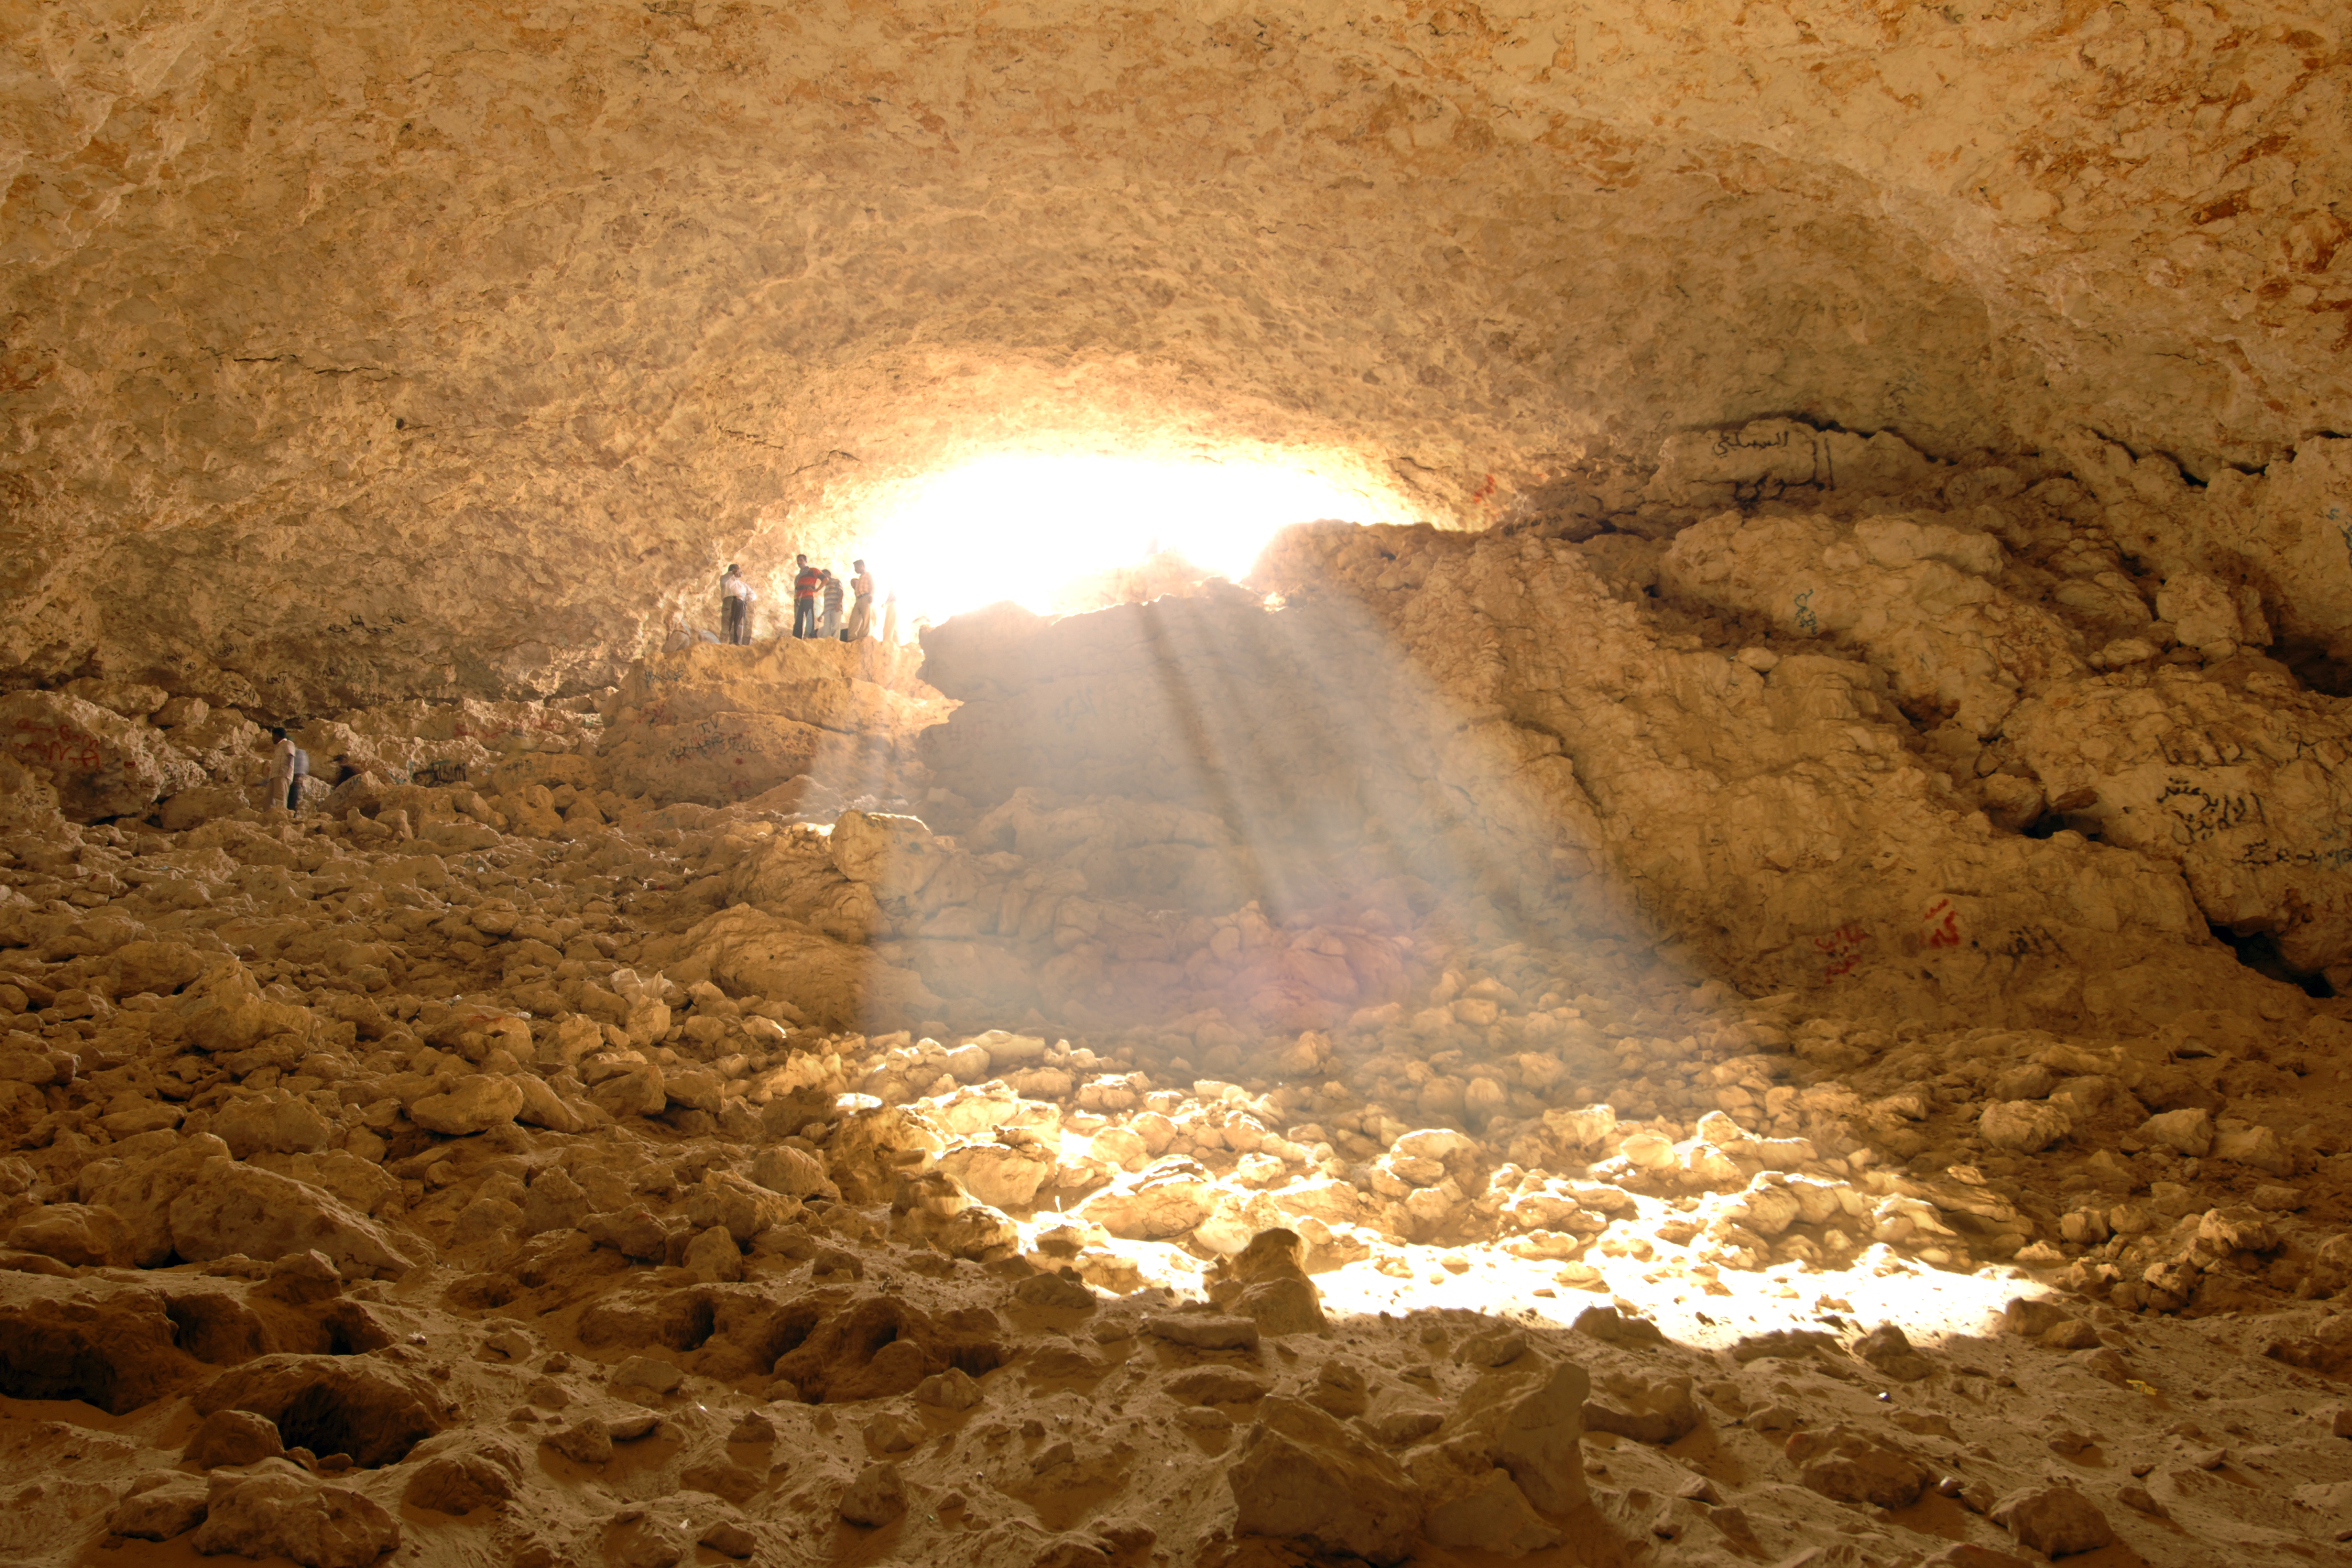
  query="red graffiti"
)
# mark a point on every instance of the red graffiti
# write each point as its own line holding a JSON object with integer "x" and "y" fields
{"x": 1844, "y": 947}
{"x": 1943, "y": 923}
{"x": 57, "y": 746}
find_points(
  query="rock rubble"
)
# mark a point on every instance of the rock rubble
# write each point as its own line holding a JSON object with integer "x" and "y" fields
{"x": 1399, "y": 1135}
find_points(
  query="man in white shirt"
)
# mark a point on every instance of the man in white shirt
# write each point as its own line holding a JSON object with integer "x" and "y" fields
{"x": 289, "y": 765}
{"x": 735, "y": 598}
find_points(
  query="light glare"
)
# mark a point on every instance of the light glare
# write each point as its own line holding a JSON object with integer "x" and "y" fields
{"x": 1019, "y": 528}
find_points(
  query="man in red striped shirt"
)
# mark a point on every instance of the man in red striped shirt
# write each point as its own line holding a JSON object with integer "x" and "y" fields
{"x": 805, "y": 583}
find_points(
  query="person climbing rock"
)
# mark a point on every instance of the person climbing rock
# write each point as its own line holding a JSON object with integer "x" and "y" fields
{"x": 831, "y": 591}
{"x": 735, "y": 597}
{"x": 861, "y": 613}
{"x": 289, "y": 765}
{"x": 805, "y": 583}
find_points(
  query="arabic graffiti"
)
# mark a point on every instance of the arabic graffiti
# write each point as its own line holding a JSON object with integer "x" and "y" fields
{"x": 1806, "y": 620}
{"x": 2033, "y": 941}
{"x": 1729, "y": 441}
{"x": 1843, "y": 949}
{"x": 2342, "y": 529}
{"x": 2262, "y": 852}
{"x": 2205, "y": 814}
{"x": 443, "y": 771}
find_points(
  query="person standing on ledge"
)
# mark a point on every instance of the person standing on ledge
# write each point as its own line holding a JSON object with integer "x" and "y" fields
{"x": 805, "y": 583}
{"x": 832, "y": 629}
{"x": 861, "y": 614}
{"x": 734, "y": 607}
{"x": 289, "y": 765}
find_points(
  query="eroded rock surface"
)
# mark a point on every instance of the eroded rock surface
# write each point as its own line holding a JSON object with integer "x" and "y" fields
{"x": 1189, "y": 1091}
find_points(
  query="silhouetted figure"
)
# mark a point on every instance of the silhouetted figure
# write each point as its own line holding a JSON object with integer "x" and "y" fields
{"x": 861, "y": 614}
{"x": 805, "y": 583}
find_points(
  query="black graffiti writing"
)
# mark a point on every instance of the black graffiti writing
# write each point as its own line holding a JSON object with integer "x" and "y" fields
{"x": 2205, "y": 814}
{"x": 2262, "y": 852}
{"x": 1729, "y": 441}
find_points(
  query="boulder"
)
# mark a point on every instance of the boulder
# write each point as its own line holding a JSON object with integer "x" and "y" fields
{"x": 640, "y": 1092}
{"x": 1886, "y": 1349}
{"x": 1301, "y": 1476}
{"x": 555, "y": 1202}
{"x": 585, "y": 1442}
{"x": 272, "y": 1123}
{"x": 233, "y": 1437}
{"x": 27, "y": 800}
{"x": 284, "y": 1514}
{"x": 228, "y": 1208}
{"x": 1203, "y": 1330}
{"x": 224, "y": 1011}
{"x": 158, "y": 1508}
{"x": 76, "y": 1234}
{"x": 2187, "y": 1132}
{"x": 1471, "y": 1503}
{"x": 2023, "y": 1126}
{"x": 161, "y": 967}
{"x": 1266, "y": 1282}
{"x": 1166, "y": 1198}
{"x": 118, "y": 1351}
{"x": 795, "y": 1172}
{"x": 1850, "y": 1466}
{"x": 895, "y": 856}
{"x": 2057, "y": 1521}
{"x": 369, "y": 1409}
{"x": 741, "y": 1207}
{"x": 101, "y": 763}
{"x": 476, "y": 1104}
{"x": 1536, "y": 1432}
{"x": 835, "y": 984}
{"x": 1647, "y": 1410}
{"x": 999, "y": 1173}
{"x": 458, "y": 1483}
{"x": 876, "y": 1498}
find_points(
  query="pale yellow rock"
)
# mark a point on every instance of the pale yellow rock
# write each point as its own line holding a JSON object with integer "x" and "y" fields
{"x": 99, "y": 763}
{"x": 475, "y": 1104}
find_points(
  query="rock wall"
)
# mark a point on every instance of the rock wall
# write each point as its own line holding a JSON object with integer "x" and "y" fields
{"x": 382, "y": 351}
{"x": 714, "y": 724}
{"x": 1891, "y": 760}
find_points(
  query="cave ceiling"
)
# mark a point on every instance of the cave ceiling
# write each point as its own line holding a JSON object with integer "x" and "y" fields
{"x": 367, "y": 349}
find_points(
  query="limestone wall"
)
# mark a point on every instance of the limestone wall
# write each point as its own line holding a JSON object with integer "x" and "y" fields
{"x": 383, "y": 350}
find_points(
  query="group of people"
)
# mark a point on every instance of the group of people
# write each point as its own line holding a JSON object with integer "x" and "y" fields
{"x": 812, "y": 585}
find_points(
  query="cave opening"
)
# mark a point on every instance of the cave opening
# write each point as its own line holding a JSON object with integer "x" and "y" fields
{"x": 2258, "y": 950}
{"x": 1058, "y": 531}
{"x": 1563, "y": 655}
